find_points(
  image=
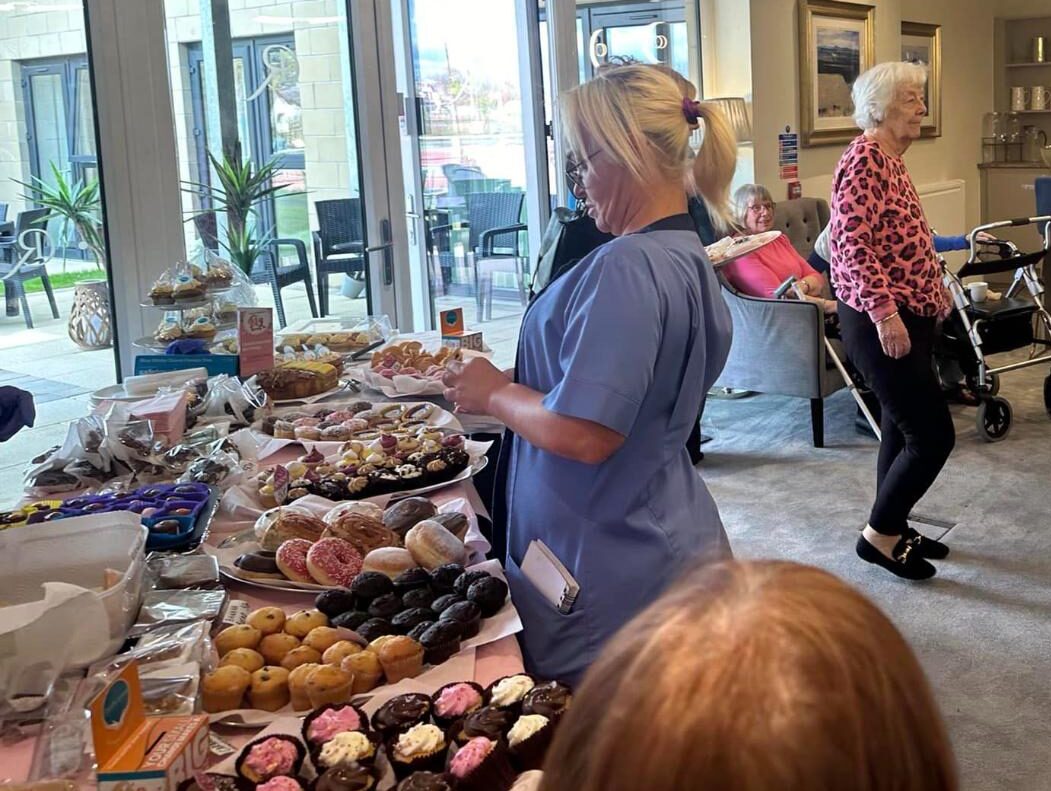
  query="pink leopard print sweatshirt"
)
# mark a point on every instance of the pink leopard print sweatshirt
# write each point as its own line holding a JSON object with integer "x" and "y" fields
{"x": 882, "y": 249}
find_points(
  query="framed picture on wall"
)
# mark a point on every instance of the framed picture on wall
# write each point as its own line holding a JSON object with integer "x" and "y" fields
{"x": 922, "y": 43}
{"x": 837, "y": 41}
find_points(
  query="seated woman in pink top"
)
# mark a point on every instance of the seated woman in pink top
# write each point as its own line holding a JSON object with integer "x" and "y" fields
{"x": 759, "y": 274}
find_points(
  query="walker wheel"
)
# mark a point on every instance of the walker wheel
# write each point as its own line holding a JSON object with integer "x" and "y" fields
{"x": 992, "y": 382}
{"x": 1047, "y": 394}
{"x": 993, "y": 419}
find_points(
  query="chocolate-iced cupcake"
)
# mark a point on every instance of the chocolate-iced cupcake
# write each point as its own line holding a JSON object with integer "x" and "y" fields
{"x": 489, "y": 594}
{"x": 467, "y": 614}
{"x": 444, "y": 577}
{"x": 468, "y": 578}
{"x": 418, "y": 630}
{"x": 549, "y": 698}
{"x": 356, "y": 778}
{"x": 426, "y": 781}
{"x": 490, "y": 722}
{"x": 440, "y": 641}
{"x": 452, "y": 702}
{"x": 445, "y": 601}
{"x": 509, "y": 691}
{"x": 400, "y": 713}
{"x": 406, "y": 620}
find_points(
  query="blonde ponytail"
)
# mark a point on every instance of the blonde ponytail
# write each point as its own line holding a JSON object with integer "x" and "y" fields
{"x": 714, "y": 165}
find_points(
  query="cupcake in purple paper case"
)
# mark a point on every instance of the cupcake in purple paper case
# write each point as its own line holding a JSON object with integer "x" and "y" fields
{"x": 270, "y": 757}
{"x": 421, "y": 748}
{"x": 325, "y": 722}
{"x": 509, "y": 691}
{"x": 346, "y": 750}
{"x": 482, "y": 765}
{"x": 427, "y": 781}
{"x": 528, "y": 741}
{"x": 455, "y": 701}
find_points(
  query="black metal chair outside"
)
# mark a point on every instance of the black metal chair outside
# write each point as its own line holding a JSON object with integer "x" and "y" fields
{"x": 23, "y": 258}
{"x": 3, "y": 211}
{"x": 494, "y": 227}
{"x": 267, "y": 269}
{"x": 339, "y": 244}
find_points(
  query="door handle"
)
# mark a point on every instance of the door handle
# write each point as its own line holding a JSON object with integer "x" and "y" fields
{"x": 387, "y": 248}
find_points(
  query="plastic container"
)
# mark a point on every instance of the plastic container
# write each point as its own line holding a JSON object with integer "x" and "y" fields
{"x": 77, "y": 551}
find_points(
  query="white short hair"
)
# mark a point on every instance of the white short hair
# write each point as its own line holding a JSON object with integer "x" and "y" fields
{"x": 876, "y": 89}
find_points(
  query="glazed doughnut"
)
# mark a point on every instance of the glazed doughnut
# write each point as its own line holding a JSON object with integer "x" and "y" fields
{"x": 292, "y": 559}
{"x": 332, "y": 561}
{"x": 306, "y": 421}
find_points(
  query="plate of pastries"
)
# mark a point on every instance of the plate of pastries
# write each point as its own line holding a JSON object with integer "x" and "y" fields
{"x": 294, "y": 380}
{"x": 358, "y": 420}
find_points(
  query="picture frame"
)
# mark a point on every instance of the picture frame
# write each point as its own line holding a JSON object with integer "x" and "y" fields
{"x": 837, "y": 42}
{"x": 922, "y": 43}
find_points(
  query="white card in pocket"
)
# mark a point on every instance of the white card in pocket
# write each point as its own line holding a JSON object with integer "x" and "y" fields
{"x": 554, "y": 582}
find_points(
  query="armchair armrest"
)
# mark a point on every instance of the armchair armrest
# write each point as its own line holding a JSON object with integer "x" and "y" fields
{"x": 778, "y": 346}
{"x": 488, "y": 237}
{"x": 297, "y": 244}
{"x": 440, "y": 234}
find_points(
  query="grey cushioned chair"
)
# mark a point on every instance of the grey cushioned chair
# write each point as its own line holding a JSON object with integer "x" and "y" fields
{"x": 779, "y": 345}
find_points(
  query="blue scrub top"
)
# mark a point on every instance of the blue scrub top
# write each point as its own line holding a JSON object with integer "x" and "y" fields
{"x": 631, "y": 338}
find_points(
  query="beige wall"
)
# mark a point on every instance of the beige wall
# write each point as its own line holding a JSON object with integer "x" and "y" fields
{"x": 967, "y": 91}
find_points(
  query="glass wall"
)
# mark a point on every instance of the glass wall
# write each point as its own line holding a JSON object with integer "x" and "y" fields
{"x": 49, "y": 193}
{"x": 294, "y": 108}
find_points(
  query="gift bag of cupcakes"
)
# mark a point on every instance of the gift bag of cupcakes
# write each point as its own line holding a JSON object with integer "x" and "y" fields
{"x": 461, "y": 737}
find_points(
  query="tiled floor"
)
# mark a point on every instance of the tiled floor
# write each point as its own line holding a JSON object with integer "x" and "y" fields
{"x": 61, "y": 376}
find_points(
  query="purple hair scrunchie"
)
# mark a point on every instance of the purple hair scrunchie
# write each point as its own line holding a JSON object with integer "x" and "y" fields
{"x": 691, "y": 110}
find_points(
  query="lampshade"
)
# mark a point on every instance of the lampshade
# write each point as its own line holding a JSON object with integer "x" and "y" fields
{"x": 736, "y": 112}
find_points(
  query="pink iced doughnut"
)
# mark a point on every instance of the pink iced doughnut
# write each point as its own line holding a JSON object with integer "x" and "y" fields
{"x": 306, "y": 421}
{"x": 292, "y": 559}
{"x": 339, "y": 416}
{"x": 356, "y": 424}
{"x": 333, "y": 561}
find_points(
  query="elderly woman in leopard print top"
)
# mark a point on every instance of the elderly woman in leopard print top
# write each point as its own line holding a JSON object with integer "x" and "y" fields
{"x": 891, "y": 303}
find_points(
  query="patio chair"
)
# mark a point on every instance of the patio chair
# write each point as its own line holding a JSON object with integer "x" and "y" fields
{"x": 339, "y": 244}
{"x": 3, "y": 211}
{"x": 268, "y": 268}
{"x": 494, "y": 244}
{"x": 23, "y": 259}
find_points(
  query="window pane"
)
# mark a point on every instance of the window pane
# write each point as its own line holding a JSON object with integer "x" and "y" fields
{"x": 84, "y": 132}
{"x": 240, "y": 85}
{"x": 635, "y": 41}
{"x": 286, "y": 106}
{"x": 49, "y": 124}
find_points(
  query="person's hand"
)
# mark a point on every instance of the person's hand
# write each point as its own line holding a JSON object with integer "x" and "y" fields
{"x": 894, "y": 337}
{"x": 830, "y": 306}
{"x": 983, "y": 236}
{"x": 470, "y": 385}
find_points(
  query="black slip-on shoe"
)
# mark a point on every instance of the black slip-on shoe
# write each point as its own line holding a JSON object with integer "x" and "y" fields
{"x": 905, "y": 563}
{"x": 929, "y": 548}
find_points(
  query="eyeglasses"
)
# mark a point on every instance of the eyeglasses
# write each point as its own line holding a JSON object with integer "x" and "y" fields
{"x": 759, "y": 208}
{"x": 576, "y": 169}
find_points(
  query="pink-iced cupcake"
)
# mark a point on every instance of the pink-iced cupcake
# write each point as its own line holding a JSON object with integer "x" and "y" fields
{"x": 482, "y": 765}
{"x": 280, "y": 784}
{"x": 455, "y": 701}
{"x": 270, "y": 757}
{"x": 325, "y": 722}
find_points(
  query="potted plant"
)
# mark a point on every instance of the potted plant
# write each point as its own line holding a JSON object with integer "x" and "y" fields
{"x": 242, "y": 185}
{"x": 77, "y": 203}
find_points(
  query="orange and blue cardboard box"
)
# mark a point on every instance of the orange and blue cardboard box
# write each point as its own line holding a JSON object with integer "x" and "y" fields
{"x": 454, "y": 333}
{"x": 143, "y": 753}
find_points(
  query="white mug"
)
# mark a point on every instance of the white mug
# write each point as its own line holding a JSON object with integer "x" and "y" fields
{"x": 1040, "y": 98}
{"x": 1018, "y": 98}
{"x": 979, "y": 291}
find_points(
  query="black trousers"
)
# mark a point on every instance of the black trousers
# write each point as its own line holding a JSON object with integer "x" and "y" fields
{"x": 918, "y": 433}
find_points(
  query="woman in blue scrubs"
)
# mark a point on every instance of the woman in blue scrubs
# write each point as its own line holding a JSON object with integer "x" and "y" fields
{"x": 613, "y": 363}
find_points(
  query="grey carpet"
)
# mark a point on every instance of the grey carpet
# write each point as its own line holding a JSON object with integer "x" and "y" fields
{"x": 982, "y": 627}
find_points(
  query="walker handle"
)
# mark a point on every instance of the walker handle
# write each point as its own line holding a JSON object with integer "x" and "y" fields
{"x": 783, "y": 288}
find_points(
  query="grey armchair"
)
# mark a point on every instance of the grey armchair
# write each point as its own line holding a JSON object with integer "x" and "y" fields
{"x": 779, "y": 345}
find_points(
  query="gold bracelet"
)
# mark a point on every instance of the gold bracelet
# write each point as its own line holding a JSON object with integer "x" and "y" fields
{"x": 886, "y": 318}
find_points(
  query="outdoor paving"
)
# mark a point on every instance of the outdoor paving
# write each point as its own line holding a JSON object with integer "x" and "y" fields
{"x": 62, "y": 376}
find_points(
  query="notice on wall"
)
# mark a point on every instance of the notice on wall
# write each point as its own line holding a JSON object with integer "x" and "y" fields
{"x": 788, "y": 155}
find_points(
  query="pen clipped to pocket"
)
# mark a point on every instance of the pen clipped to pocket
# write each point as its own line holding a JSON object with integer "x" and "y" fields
{"x": 554, "y": 582}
